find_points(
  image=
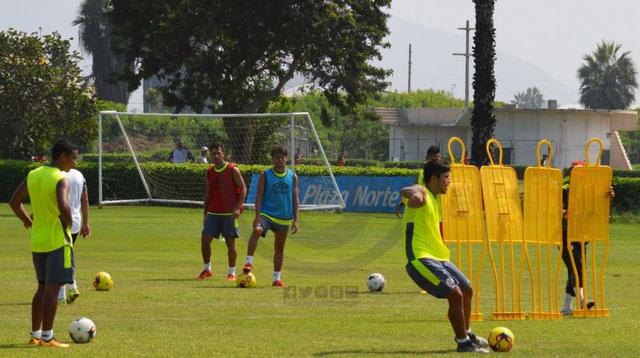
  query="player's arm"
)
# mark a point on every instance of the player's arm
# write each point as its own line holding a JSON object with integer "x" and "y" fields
{"x": 259, "y": 195}
{"x": 84, "y": 207}
{"x": 296, "y": 205}
{"x": 415, "y": 195}
{"x": 171, "y": 156}
{"x": 237, "y": 178}
{"x": 207, "y": 192}
{"x": 18, "y": 197}
{"x": 62, "y": 197}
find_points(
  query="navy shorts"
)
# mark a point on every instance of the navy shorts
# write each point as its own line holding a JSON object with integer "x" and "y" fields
{"x": 225, "y": 225}
{"x": 268, "y": 224}
{"x": 54, "y": 266}
{"x": 438, "y": 278}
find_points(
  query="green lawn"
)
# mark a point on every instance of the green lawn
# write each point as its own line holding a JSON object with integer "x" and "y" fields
{"x": 156, "y": 308}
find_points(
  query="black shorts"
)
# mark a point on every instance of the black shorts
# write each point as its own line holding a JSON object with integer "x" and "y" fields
{"x": 215, "y": 225}
{"x": 438, "y": 278}
{"x": 54, "y": 266}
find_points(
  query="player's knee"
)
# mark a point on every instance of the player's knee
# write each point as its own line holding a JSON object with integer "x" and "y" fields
{"x": 467, "y": 291}
{"x": 455, "y": 297}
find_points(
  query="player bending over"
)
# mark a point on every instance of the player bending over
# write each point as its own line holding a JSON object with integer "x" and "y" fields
{"x": 224, "y": 195}
{"x": 276, "y": 210}
{"x": 428, "y": 257}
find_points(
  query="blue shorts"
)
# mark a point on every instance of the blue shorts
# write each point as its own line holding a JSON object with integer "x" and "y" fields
{"x": 268, "y": 224}
{"x": 438, "y": 278}
{"x": 54, "y": 266}
{"x": 225, "y": 225}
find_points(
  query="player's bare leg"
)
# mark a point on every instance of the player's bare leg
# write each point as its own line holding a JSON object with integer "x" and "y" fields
{"x": 278, "y": 257}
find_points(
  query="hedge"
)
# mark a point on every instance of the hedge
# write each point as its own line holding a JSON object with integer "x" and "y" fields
{"x": 12, "y": 172}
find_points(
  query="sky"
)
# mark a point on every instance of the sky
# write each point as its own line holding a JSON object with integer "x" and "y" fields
{"x": 546, "y": 38}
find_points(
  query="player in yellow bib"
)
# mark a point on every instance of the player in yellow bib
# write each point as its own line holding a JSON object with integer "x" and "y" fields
{"x": 48, "y": 189}
{"x": 428, "y": 262}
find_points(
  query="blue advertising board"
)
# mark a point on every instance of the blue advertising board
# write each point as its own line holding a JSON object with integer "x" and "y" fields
{"x": 360, "y": 193}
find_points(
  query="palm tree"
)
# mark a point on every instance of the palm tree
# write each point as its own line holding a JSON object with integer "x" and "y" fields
{"x": 607, "y": 78}
{"x": 531, "y": 98}
{"x": 95, "y": 37}
{"x": 484, "y": 81}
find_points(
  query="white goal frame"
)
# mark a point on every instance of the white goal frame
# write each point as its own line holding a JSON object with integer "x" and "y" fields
{"x": 150, "y": 199}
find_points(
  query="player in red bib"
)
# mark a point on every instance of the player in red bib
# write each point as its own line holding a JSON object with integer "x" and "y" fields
{"x": 223, "y": 199}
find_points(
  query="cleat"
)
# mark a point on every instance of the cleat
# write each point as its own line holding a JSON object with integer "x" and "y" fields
{"x": 279, "y": 283}
{"x": 205, "y": 274}
{"x": 231, "y": 277}
{"x": 567, "y": 312}
{"x": 72, "y": 295}
{"x": 33, "y": 341}
{"x": 62, "y": 301}
{"x": 478, "y": 341}
{"x": 53, "y": 343}
{"x": 469, "y": 346}
{"x": 247, "y": 268}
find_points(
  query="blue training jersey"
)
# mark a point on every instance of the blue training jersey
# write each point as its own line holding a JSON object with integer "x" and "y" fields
{"x": 277, "y": 200}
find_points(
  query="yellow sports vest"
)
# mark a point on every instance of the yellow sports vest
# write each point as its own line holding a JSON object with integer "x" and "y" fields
{"x": 421, "y": 231}
{"x": 47, "y": 233}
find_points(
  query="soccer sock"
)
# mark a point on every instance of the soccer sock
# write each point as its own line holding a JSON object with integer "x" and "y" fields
{"x": 276, "y": 275}
{"x": 249, "y": 260}
{"x": 468, "y": 331}
{"x": 568, "y": 302}
{"x": 47, "y": 335}
{"x": 61, "y": 293}
{"x": 37, "y": 334}
{"x": 463, "y": 340}
{"x": 232, "y": 270}
{"x": 207, "y": 266}
{"x": 72, "y": 286}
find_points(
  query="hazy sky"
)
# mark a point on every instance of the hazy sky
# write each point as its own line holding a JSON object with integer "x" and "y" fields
{"x": 551, "y": 35}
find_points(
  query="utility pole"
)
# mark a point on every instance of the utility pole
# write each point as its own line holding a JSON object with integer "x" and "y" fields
{"x": 409, "y": 84}
{"x": 466, "y": 55}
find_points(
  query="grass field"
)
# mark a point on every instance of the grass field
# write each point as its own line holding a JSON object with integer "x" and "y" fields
{"x": 157, "y": 309}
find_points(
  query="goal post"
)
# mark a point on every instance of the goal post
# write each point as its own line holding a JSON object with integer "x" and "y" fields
{"x": 133, "y": 155}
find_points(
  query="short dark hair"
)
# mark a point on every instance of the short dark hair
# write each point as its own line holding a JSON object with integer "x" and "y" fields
{"x": 60, "y": 147}
{"x": 279, "y": 149}
{"x": 434, "y": 149}
{"x": 434, "y": 168}
{"x": 215, "y": 145}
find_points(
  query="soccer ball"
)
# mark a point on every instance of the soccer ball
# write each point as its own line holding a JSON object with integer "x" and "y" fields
{"x": 501, "y": 339}
{"x": 246, "y": 280}
{"x": 376, "y": 282}
{"x": 82, "y": 330}
{"x": 103, "y": 282}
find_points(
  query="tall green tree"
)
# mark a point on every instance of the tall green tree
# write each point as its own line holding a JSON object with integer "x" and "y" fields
{"x": 96, "y": 38}
{"x": 483, "y": 121}
{"x": 42, "y": 95}
{"x": 607, "y": 78}
{"x": 236, "y": 56}
{"x": 530, "y": 98}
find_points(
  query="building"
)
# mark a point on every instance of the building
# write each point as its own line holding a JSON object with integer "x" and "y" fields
{"x": 413, "y": 130}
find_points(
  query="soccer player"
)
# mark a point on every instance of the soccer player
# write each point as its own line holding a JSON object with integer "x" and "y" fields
{"x": 79, "y": 202}
{"x": 223, "y": 199}
{"x": 570, "y": 292}
{"x": 428, "y": 257}
{"x": 51, "y": 245}
{"x": 276, "y": 210}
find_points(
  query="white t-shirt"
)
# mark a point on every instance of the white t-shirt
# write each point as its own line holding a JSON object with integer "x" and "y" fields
{"x": 180, "y": 155}
{"x": 77, "y": 185}
{"x": 202, "y": 159}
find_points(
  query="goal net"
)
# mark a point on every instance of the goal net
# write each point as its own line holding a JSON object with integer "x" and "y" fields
{"x": 158, "y": 157}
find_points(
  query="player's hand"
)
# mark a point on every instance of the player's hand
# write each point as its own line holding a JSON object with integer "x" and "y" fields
{"x": 257, "y": 221}
{"x": 27, "y": 224}
{"x": 294, "y": 227}
{"x": 85, "y": 231}
{"x": 611, "y": 193}
{"x": 236, "y": 213}
{"x": 399, "y": 209}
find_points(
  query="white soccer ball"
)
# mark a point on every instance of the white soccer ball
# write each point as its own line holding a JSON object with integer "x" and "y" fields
{"x": 376, "y": 282}
{"x": 82, "y": 330}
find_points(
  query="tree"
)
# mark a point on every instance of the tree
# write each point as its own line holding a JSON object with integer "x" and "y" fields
{"x": 483, "y": 121}
{"x": 236, "y": 56}
{"x": 531, "y": 98}
{"x": 96, "y": 38}
{"x": 607, "y": 78}
{"x": 42, "y": 95}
